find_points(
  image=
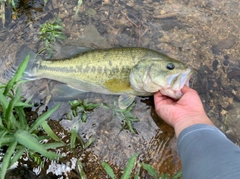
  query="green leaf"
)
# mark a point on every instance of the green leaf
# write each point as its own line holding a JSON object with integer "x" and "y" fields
{"x": 136, "y": 176}
{"x": 53, "y": 145}
{"x": 128, "y": 169}
{"x": 1, "y": 122}
{"x": 18, "y": 75}
{"x": 130, "y": 126}
{"x": 36, "y": 158}
{"x": 26, "y": 139}
{"x": 74, "y": 103}
{"x": 6, "y": 139}
{"x": 17, "y": 155}
{"x": 89, "y": 142}
{"x": 73, "y": 138}
{"x": 79, "y": 4}
{"x": 108, "y": 169}
{"x": 80, "y": 170}
{"x": 84, "y": 117}
{"x": 22, "y": 118}
{"x": 3, "y": 133}
{"x": 42, "y": 118}
{"x": 178, "y": 175}
{"x": 90, "y": 106}
{"x": 7, "y": 159}
{"x": 151, "y": 171}
{"x": 8, "y": 114}
{"x": 22, "y": 104}
{"x": 3, "y": 100}
{"x": 49, "y": 131}
{"x": 165, "y": 176}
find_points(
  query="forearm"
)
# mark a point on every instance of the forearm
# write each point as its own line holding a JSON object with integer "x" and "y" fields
{"x": 206, "y": 153}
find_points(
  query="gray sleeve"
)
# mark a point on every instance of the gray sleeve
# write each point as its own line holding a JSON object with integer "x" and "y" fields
{"x": 206, "y": 153}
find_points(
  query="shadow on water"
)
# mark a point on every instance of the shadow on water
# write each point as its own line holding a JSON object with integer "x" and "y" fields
{"x": 203, "y": 34}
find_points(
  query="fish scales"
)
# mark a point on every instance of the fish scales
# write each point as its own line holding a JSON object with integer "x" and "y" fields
{"x": 94, "y": 66}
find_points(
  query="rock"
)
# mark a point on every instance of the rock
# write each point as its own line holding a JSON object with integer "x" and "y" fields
{"x": 214, "y": 40}
{"x": 20, "y": 173}
{"x": 92, "y": 36}
{"x": 226, "y": 43}
{"x": 215, "y": 65}
{"x": 91, "y": 11}
{"x": 215, "y": 50}
{"x": 168, "y": 24}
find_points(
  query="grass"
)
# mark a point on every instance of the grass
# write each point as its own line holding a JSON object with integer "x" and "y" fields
{"x": 12, "y": 5}
{"x": 80, "y": 109}
{"x": 128, "y": 170}
{"x": 49, "y": 33}
{"x": 16, "y": 134}
{"x": 80, "y": 170}
{"x": 78, "y": 7}
{"x": 124, "y": 115}
{"x": 19, "y": 137}
{"x": 83, "y": 108}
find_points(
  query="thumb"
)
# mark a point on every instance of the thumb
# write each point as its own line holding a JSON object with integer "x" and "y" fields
{"x": 186, "y": 89}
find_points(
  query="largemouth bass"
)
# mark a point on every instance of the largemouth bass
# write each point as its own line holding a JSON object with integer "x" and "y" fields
{"x": 128, "y": 72}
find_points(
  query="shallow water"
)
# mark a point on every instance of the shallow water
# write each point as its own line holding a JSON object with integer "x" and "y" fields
{"x": 203, "y": 34}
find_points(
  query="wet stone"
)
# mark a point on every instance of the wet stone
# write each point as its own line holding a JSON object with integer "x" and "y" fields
{"x": 20, "y": 173}
{"x": 91, "y": 12}
{"x": 48, "y": 16}
{"x": 168, "y": 24}
{"x": 215, "y": 50}
{"x": 235, "y": 73}
{"x": 214, "y": 40}
{"x": 215, "y": 65}
{"x": 38, "y": 4}
{"x": 45, "y": 177}
{"x": 227, "y": 43}
{"x": 206, "y": 70}
{"x": 226, "y": 61}
{"x": 226, "y": 57}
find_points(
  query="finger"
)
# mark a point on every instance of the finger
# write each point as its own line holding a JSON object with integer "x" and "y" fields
{"x": 158, "y": 93}
{"x": 186, "y": 89}
{"x": 160, "y": 99}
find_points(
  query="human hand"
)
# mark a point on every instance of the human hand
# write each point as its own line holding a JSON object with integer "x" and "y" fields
{"x": 182, "y": 113}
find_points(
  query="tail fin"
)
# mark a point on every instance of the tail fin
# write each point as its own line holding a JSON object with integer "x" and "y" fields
{"x": 29, "y": 72}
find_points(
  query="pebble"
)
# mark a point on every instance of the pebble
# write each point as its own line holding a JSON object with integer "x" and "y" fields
{"x": 226, "y": 43}
{"x": 91, "y": 11}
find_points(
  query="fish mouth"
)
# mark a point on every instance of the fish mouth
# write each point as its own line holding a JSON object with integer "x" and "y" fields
{"x": 176, "y": 82}
{"x": 185, "y": 77}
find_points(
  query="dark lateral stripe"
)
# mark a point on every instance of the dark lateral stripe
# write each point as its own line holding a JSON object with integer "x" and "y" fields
{"x": 59, "y": 69}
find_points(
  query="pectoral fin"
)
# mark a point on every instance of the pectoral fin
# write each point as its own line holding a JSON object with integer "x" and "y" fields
{"x": 125, "y": 101}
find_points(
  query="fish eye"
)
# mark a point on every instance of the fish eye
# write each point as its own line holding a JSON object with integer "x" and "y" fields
{"x": 170, "y": 66}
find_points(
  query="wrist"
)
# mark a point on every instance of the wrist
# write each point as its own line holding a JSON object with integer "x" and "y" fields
{"x": 188, "y": 121}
